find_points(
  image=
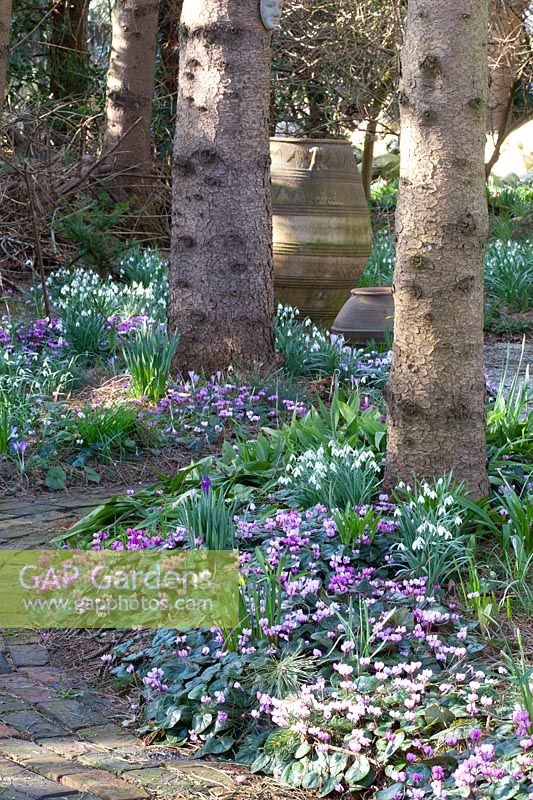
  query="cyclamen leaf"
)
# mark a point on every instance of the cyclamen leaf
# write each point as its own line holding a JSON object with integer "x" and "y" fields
{"x": 56, "y": 478}
{"x": 390, "y": 793}
{"x": 327, "y": 788}
{"x": 358, "y": 771}
{"x": 215, "y": 746}
{"x": 261, "y": 763}
{"x": 303, "y": 750}
{"x": 311, "y": 780}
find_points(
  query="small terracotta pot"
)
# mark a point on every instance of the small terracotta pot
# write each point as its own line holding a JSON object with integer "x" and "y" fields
{"x": 368, "y": 314}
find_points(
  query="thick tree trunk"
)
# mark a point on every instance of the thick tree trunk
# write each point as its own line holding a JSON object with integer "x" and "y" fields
{"x": 130, "y": 86}
{"x": 221, "y": 284}
{"x": 436, "y": 392}
{"x": 5, "y": 31}
{"x": 68, "y": 49}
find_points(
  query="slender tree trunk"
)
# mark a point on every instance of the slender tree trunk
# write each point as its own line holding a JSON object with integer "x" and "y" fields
{"x": 505, "y": 31}
{"x": 130, "y": 86}
{"x": 436, "y": 392}
{"x": 221, "y": 284}
{"x": 368, "y": 156}
{"x": 5, "y": 31}
{"x": 170, "y": 26}
{"x": 68, "y": 49}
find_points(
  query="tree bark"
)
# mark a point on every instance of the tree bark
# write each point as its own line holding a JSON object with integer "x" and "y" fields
{"x": 130, "y": 86}
{"x": 68, "y": 49}
{"x": 221, "y": 273}
{"x": 5, "y": 32}
{"x": 436, "y": 392}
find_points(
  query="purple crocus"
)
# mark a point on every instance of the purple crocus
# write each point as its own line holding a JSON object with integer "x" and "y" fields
{"x": 205, "y": 484}
{"x": 20, "y": 446}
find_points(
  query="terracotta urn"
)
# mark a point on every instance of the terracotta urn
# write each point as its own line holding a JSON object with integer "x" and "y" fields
{"x": 368, "y": 314}
{"x": 321, "y": 224}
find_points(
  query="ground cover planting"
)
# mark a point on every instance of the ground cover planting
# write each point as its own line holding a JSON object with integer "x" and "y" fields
{"x": 379, "y": 641}
{"x": 380, "y": 644}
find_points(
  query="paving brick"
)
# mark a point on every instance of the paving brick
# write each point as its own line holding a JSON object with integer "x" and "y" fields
{"x": 103, "y": 759}
{"x": 28, "y": 655}
{"x": 30, "y": 785}
{"x": 50, "y": 676}
{"x": 21, "y": 637}
{"x": 110, "y": 737}
{"x": 15, "y": 681}
{"x": 33, "y": 694}
{"x": 11, "y": 794}
{"x": 8, "y": 704}
{"x": 37, "y": 758}
{"x": 7, "y": 733}
{"x": 34, "y": 724}
{"x": 5, "y": 666}
{"x": 104, "y": 785}
{"x": 75, "y": 796}
{"x": 70, "y": 713}
{"x": 156, "y": 780}
{"x": 68, "y": 747}
{"x": 200, "y": 772}
{"x": 144, "y": 756}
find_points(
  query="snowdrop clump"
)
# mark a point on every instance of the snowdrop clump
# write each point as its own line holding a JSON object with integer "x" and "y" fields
{"x": 83, "y": 292}
{"x": 335, "y": 474}
{"x": 429, "y": 521}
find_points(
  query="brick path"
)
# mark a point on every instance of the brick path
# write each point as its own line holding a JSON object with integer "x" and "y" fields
{"x": 60, "y": 738}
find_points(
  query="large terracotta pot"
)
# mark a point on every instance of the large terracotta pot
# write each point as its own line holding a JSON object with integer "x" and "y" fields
{"x": 368, "y": 314}
{"x": 321, "y": 224}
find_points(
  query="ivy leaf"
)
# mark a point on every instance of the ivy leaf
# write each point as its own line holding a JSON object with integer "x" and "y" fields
{"x": 56, "y": 478}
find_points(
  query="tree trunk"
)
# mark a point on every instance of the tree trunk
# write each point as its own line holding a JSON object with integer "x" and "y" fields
{"x": 221, "y": 275}
{"x": 68, "y": 49}
{"x": 436, "y": 392}
{"x": 130, "y": 86}
{"x": 5, "y": 31}
{"x": 170, "y": 27}
{"x": 505, "y": 31}
{"x": 368, "y": 156}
